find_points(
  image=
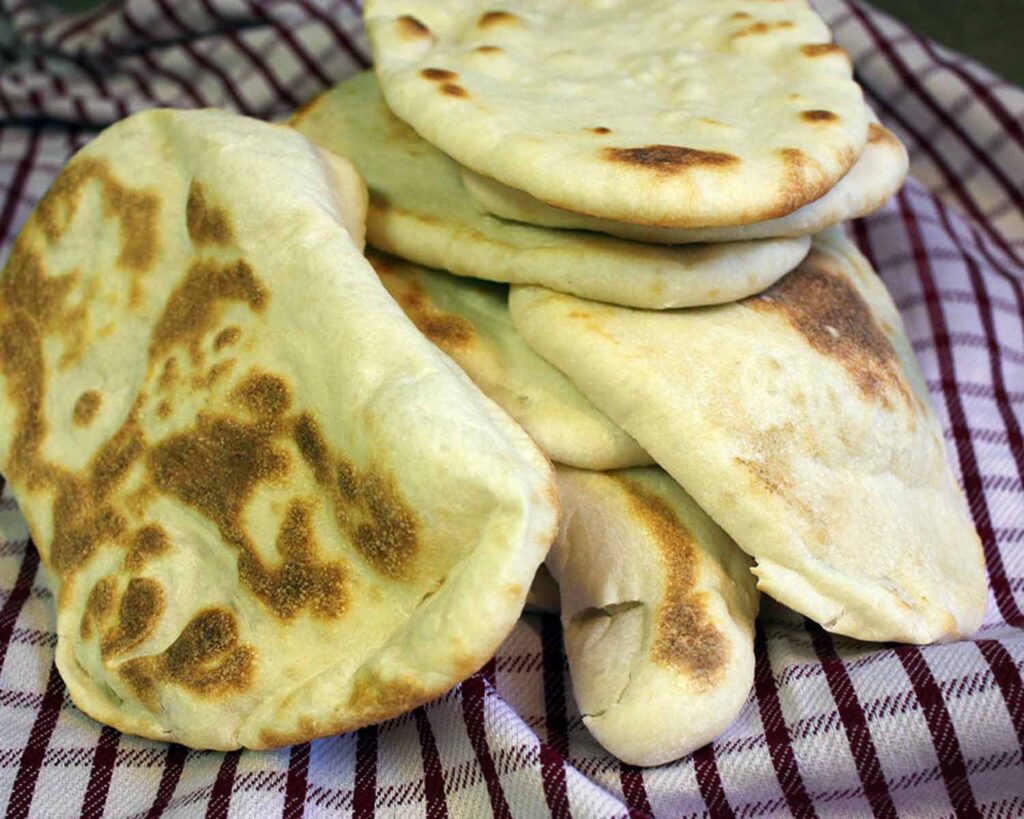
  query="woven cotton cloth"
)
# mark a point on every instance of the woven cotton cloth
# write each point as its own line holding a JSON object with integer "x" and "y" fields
{"x": 833, "y": 727}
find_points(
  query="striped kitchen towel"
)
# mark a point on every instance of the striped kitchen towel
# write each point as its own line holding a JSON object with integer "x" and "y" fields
{"x": 833, "y": 727}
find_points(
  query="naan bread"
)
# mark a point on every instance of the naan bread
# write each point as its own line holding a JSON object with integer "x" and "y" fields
{"x": 875, "y": 176}
{"x": 799, "y": 421}
{"x": 419, "y": 210}
{"x": 659, "y": 112}
{"x": 265, "y": 503}
{"x": 658, "y": 608}
{"x": 469, "y": 320}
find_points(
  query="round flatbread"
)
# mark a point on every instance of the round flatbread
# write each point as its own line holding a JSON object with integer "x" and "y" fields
{"x": 658, "y": 608}
{"x": 420, "y": 211}
{"x": 876, "y": 175}
{"x": 267, "y": 506}
{"x": 469, "y": 320}
{"x": 708, "y": 112}
{"x": 799, "y": 421}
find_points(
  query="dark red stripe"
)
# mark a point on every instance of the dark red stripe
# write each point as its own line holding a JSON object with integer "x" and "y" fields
{"x": 553, "y": 753}
{"x": 710, "y": 783}
{"x": 86, "y": 22}
{"x": 947, "y": 744}
{"x": 283, "y": 32}
{"x": 200, "y": 59}
{"x": 340, "y": 37}
{"x": 298, "y": 49}
{"x": 929, "y": 696}
{"x": 473, "y": 692}
{"x": 283, "y": 94}
{"x": 955, "y": 184}
{"x": 911, "y": 81}
{"x": 298, "y": 782}
{"x": 364, "y": 796}
{"x": 964, "y": 446}
{"x": 220, "y": 798}
{"x": 86, "y": 67}
{"x": 174, "y": 764}
{"x": 38, "y": 741}
{"x": 1006, "y": 120}
{"x": 17, "y": 186}
{"x": 16, "y": 601}
{"x": 433, "y": 773}
{"x": 1007, "y": 677}
{"x": 952, "y": 179}
{"x": 986, "y": 314}
{"x": 776, "y": 733}
{"x": 855, "y": 724}
{"x": 103, "y": 761}
{"x": 634, "y": 791}
{"x": 157, "y": 70}
{"x": 256, "y": 61}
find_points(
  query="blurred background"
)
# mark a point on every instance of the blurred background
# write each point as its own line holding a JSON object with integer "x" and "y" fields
{"x": 988, "y": 30}
{"x": 991, "y": 31}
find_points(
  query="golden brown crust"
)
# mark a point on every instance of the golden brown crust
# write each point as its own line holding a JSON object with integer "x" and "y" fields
{"x": 820, "y": 49}
{"x": 686, "y": 638}
{"x": 264, "y": 395}
{"x": 367, "y": 505}
{"x": 141, "y": 607}
{"x": 803, "y": 183}
{"x": 149, "y": 541}
{"x": 446, "y": 330}
{"x": 438, "y": 74}
{"x": 136, "y": 211}
{"x": 668, "y": 160}
{"x": 301, "y": 581}
{"x": 492, "y": 19}
{"x": 195, "y": 306}
{"x": 205, "y": 659}
{"x": 819, "y": 115}
{"x": 877, "y": 133}
{"x": 226, "y": 337}
{"x": 98, "y": 606}
{"x": 832, "y": 316}
{"x": 762, "y": 27}
{"x": 86, "y": 406}
{"x": 410, "y": 28}
{"x": 207, "y": 225}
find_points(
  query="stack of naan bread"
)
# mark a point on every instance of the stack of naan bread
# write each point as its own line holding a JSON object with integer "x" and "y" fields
{"x": 273, "y": 510}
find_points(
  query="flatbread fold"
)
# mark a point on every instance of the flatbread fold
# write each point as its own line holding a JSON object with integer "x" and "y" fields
{"x": 469, "y": 320}
{"x": 265, "y": 503}
{"x": 420, "y": 211}
{"x": 658, "y": 608}
{"x": 708, "y": 112}
{"x": 799, "y": 421}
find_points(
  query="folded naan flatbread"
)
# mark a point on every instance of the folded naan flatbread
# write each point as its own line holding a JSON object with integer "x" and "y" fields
{"x": 676, "y": 114}
{"x": 469, "y": 320}
{"x": 658, "y": 608}
{"x": 874, "y": 177}
{"x": 799, "y": 421}
{"x": 266, "y": 504}
{"x": 420, "y": 211}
